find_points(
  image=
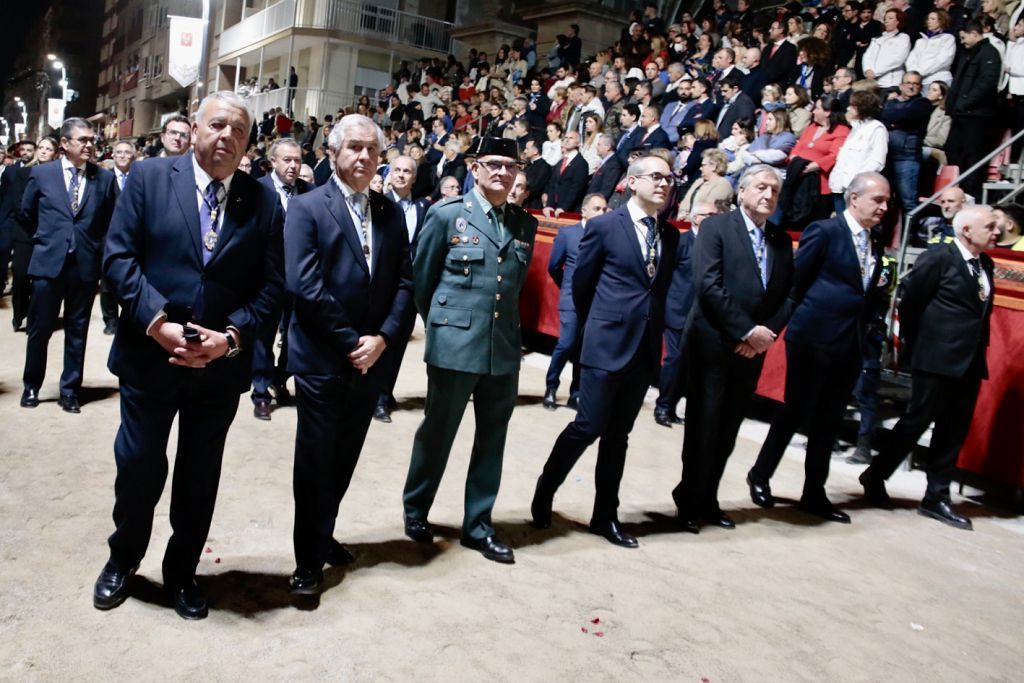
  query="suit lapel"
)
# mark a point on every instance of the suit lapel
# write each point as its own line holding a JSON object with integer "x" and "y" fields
{"x": 377, "y": 210}
{"x": 629, "y": 232}
{"x": 90, "y": 173}
{"x": 238, "y": 201}
{"x": 740, "y": 227}
{"x": 970, "y": 282}
{"x": 852, "y": 271}
{"x": 338, "y": 207}
{"x": 183, "y": 180}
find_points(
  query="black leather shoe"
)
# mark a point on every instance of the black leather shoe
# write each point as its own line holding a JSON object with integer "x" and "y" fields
{"x": 760, "y": 494}
{"x": 540, "y": 508}
{"x": 942, "y": 510}
{"x": 110, "y": 328}
{"x": 613, "y": 533}
{"x": 549, "y": 400}
{"x": 676, "y": 420}
{"x": 261, "y": 409}
{"x": 491, "y": 548}
{"x": 825, "y": 510}
{"x": 573, "y": 403}
{"x": 381, "y": 413}
{"x": 306, "y": 581}
{"x": 111, "y": 587}
{"x": 419, "y": 530}
{"x": 688, "y": 524}
{"x": 282, "y": 396}
{"x": 30, "y": 398}
{"x": 18, "y": 325}
{"x": 874, "y": 491}
{"x": 720, "y": 519}
{"x": 190, "y": 601}
{"x": 662, "y": 418}
{"x": 69, "y": 404}
{"x": 338, "y": 555}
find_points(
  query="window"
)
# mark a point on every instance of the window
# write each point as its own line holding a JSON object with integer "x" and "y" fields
{"x": 158, "y": 66}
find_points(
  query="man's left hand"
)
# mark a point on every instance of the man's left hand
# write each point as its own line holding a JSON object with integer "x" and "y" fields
{"x": 212, "y": 345}
{"x": 367, "y": 351}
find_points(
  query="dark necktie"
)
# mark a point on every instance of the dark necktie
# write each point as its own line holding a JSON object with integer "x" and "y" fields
{"x": 651, "y": 240}
{"x": 289, "y": 190}
{"x": 73, "y": 190}
{"x": 497, "y": 216}
{"x": 209, "y": 216}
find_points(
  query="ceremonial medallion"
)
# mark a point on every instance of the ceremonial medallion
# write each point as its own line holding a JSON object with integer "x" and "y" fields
{"x": 210, "y": 240}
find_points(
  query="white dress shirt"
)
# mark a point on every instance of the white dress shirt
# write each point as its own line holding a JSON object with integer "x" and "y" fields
{"x": 986, "y": 286}
{"x": 348, "y": 192}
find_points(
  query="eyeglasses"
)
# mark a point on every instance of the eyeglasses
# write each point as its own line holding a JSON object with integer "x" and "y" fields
{"x": 656, "y": 178}
{"x": 178, "y": 134}
{"x": 916, "y": 84}
{"x": 85, "y": 140}
{"x": 499, "y": 166}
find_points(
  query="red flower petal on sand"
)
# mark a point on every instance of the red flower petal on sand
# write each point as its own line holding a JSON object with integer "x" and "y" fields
{"x": 217, "y": 561}
{"x": 209, "y": 549}
{"x": 599, "y": 634}
{"x": 595, "y": 620}
{"x": 582, "y": 628}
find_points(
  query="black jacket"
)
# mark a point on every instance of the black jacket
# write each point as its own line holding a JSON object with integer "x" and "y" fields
{"x": 907, "y": 123}
{"x": 975, "y": 82}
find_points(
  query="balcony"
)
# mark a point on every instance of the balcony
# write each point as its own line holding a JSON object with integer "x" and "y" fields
{"x": 344, "y": 16}
{"x": 307, "y": 101}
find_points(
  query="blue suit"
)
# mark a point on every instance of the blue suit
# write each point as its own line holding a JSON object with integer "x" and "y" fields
{"x": 154, "y": 262}
{"x": 338, "y": 299}
{"x": 626, "y": 142}
{"x": 65, "y": 264}
{"x": 677, "y": 310}
{"x": 831, "y": 305}
{"x": 656, "y": 139}
{"x": 561, "y": 267}
{"x": 624, "y": 313}
{"x": 606, "y": 177}
{"x": 708, "y": 109}
{"x": 673, "y": 116}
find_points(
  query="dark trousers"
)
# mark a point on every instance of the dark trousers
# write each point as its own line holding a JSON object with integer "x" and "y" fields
{"x": 968, "y": 142}
{"x": 566, "y": 349}
{"x": 818, "y": 387}
{"x": 21, "y": 284}
{"x": 140, "y": 451}
{"x": 334, "y": 414}
{"x": 721, "y": 384}
{"x": 448, "y": 393}
{"x": 47, "y": 296}
{"x": 866, "y": 391}
{"x": 396, "y": 351}
{"x": 949, "y": 403}
{"x": 608, "y": 405}
{"x": 108, "y": 302}
{"x": 265, "y": 373}
{"x": 672, "y": 381}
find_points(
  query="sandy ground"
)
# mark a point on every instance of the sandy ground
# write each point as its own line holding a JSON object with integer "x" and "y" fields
{"x": 893, "y": 596}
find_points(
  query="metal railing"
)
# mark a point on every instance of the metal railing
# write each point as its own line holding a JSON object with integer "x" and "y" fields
{"x": 344, "y": 16}
{"x": 307, "y": 102}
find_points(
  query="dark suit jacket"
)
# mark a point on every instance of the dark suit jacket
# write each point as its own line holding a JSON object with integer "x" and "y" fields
{"x": 562, "y": 264}
{"x": 46, "y": 215}
{"x": 680, "y": 292}
{"x": 632, "y": 139}
{"x": 708, "y": 109}
{"x": 943, "y": 322}
{"x": 12, "y": 189}
{"x": 322, "y": 171}
{"x": 421, "y": 204}
{"x": 336, "y": 299}
{"x": 730, "y": 299}
{"x": 656, "y": 139}
{"x": 828, "y": 299}
{"x": 778, "y": 67}
{"x": 566, "y": 190}
{"x": 538, "y": 175}
{"x": 752, "y": 83}
{"x": 301, "y": 186}
{"x": 153, "y": 260}
{"x": 742, "y": 108}
{"x": 620, "y": 304}
{"x": 605, "y": 178}
{"x": 456, "y": 168}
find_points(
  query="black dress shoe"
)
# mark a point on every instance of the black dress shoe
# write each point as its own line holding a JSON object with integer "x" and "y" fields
{"x": 874, "y": 491}
{"x": 942, "y": 510}
{"x": 282, "y": 395}
{"x": 30, "y": 398}
{"x": 761, "y": 494}
{"x": 338, "y": 555}
{"x": 676, "y": 420}
{"x": 688, "y": 524}
{"x": 720, "y": 519}
{"x": 662, "y": 418}
{"x": 261, "y": 409}
{"x": 419, "y": 530}
{"x": 549, "y": 400}
{"x": 573, "y": 403}
{"x": 111, "y": 587}
{"x": 190, "y": 601}
{"x": 824, "y": 509}
{"x": 491, "y": 548}
{"x": 18, "y": 325}
{"x": 110, "y": 328}
{"x": 381, "y": 413}
{"x": 613, "y": 533}
{"x": 540, "y": 508}
{"x": 306, "y": 581}
{"x": 69, "y": 404}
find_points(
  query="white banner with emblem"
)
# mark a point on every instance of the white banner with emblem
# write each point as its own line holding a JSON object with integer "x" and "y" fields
{"x": 54, "y": 112}
{"x": 185, "y": 47}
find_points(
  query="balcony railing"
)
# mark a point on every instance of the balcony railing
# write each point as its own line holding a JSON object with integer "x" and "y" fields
{"x": 345, "y": 16}
{"x": 308, "y": 101}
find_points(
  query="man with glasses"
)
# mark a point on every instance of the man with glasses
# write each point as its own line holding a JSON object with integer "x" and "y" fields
{"x": 176, "y": 136}
{"x": 124, "y": 156}
{"x": 842, "y": 85}
{"x": 470, "y": 267}
{"x": 66, "y": 208}
{"x": 906, "y": 115}
{"x": 623, "y": 270}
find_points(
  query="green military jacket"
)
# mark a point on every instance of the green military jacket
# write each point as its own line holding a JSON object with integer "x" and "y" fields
{"x": 467, "y": 283}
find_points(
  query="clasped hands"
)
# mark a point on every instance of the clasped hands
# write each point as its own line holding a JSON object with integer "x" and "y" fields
{"x": 757, "y": 343}
{"x": 171, "y": 336}
{"x": 367, "y": 351}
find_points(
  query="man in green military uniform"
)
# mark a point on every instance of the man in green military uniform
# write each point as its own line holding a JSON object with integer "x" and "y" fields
{"x": 470, "y": 266}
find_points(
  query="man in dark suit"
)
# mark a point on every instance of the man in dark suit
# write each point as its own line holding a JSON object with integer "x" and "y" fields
{"x": 12, "y": 189}
{"x": 66, "y": 208}
{"x": 654, "y": 136}
{"x": 752, "y": 82}
{"x": 944, "y": 323}
{"x": 285, "y": 157}
{"x": 742, "y": 273}
{"x": 835, "y": 271}
{"x": 781, "y": 55}
{"x": 704, "y": 105}
{"x": 671, "y": 381}
{"x": 401, "y": 178}
{"x": 609, "y": 169}
{"x": 568, "y": 181}
{"x": 629, "y": 139}
{"x": 561, "y": 267}
{"x": 471, "y": 264}
{"x": 199, "y": 300}
{"x": 452, "y": 163}
{"x": 736, "y": 105}
{"x": 538, "y": 174}
{"x": 124, "y": 156}
{"x": 322, "y": 169}
{"x": 623, "y": 272}
{"x": 347, "y": 267}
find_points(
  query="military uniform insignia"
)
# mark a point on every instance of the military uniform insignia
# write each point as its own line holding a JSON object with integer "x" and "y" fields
{"x": 476, "y": 240}
{"x": 455, "y": 239}
{"x": 460, "y": 224}
{"x": 465, "y": 239}
{"x": 522, "y": 245}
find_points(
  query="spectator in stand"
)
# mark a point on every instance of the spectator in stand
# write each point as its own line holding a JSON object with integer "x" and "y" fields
{"x": 885, "y": 57}
{"x": 1013, "y": 65}
{"x": 710, "y": 187}
{"x": 450, "y": 187}
{"x": 653, "y": 136}
{"x": 736, "y": 105}
{"x": 570, "y": 55}
{"x": 551, "y": 150}
{"x": 722, "y": 64}
{"x": 245, "y": 165}
{"x": 653, "y": 24}
{"x": 939, "y": 229}
{"x": 971, "y": 104}
{"x": 593, "y": 129}
{"x": 812, "y": 66}
{"x": 906, "y": 114}
{"x": 538, "y": 173}
{"x": 934, "y": 52}
{"x": 654, "y": 82}
{"x": 845, "y": 43}
{"x": 958, "y": 16}
{"x": 938, "y": 125}
{"x": 993, "y": 9}
{"x": 774, "y": 146}
{"x": 865, "y": 148}
{"x": 538, "y": 105}
{"x": 822, "y": 31}
{"x": 452, "y": 164}
{"x": 753, "y": 78}
{"x": 568, "y": 181}
{"x": 675, "y": 112}
{"x": 781, "y": 55}
{"x": 796, "y": 31}
{"x": 609, "y": 168}
{"x": 699, "y": 63}
{"x": 867, "y": 29}
{"x": 704, "y": 137}
{"x": 1010, "y": 221}
{"x": 819, "y": 146}
{"x": 704, "y": 107}
{"x": 282, "y": 124}
{"x": 629, "y": 138}
{"x": 613, "y": 113}
{"x": 796, "y": 100}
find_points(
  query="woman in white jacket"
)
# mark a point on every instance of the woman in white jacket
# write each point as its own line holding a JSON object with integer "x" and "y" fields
{"x": 865, "y": 147}
{"x": 1013, "y": 64}
{"x": 933, "y": 54}
{"x": 884, "y": 59}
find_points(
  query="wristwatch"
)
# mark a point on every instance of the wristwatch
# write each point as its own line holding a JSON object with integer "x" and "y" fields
{"x": 233, "y": 348}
